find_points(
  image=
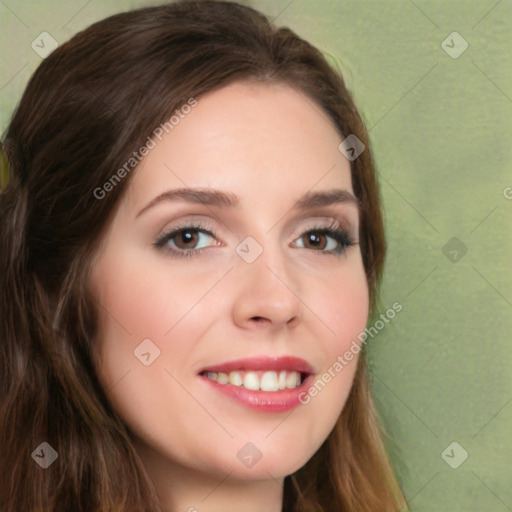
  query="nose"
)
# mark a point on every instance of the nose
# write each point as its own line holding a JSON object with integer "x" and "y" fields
{"x": 267, "y": 293}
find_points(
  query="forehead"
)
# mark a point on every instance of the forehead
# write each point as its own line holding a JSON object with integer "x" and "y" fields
{"x": 257, "y": 140}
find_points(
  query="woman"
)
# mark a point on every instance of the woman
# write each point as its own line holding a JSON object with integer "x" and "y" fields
{"x": 192, "y": 239}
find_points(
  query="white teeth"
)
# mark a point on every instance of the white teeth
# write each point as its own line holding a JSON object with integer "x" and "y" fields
{"x": 235, "y": 378}
{"x": 258, "y": 381}
{"x": 292, "y": 380}
{"x": 222, "y": 378}
{"x": 269, "y": 382}
{"x": 282, "y": 380}
{"x": 251, "y": 381}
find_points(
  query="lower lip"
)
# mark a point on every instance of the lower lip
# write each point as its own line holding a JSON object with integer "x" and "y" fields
{"x": 263, "y": 401}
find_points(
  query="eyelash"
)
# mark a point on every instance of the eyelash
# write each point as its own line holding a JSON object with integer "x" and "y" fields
{"x": 341, "y": 236}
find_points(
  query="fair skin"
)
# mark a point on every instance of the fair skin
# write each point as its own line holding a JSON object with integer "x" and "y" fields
{"x": 268, "y": 145}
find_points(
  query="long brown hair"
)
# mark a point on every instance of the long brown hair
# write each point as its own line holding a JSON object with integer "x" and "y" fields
{"x": 87, "y": 107}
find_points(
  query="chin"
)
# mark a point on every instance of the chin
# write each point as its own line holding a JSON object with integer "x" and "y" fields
{"x": 269, "y": 458}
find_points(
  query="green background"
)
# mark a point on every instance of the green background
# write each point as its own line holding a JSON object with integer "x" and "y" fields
{"x": 441, "y": 131}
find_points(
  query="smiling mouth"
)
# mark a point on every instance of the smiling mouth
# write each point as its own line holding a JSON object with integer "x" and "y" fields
{"x": 259, "y": 380}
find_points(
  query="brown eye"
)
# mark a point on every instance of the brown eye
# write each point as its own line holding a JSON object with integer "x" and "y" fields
{"x": 326, "y": 241}
{"x": 315, "y": 240}
{"x": 186, "y": 238}
{"x": 185, "y": 241}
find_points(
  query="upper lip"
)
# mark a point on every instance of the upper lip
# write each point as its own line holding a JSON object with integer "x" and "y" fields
{"x": 256, "y": 363}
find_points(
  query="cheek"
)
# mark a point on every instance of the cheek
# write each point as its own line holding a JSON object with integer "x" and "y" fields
{"x": 342, "y": 302}
{"x": 133, "y": 307}
{"x": 139, "y": 302}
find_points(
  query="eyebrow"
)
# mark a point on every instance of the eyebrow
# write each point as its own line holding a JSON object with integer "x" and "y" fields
{"x": 222, "y": 199}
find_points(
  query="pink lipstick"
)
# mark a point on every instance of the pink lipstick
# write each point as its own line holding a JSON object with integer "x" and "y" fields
{"x": 267, "y": 384}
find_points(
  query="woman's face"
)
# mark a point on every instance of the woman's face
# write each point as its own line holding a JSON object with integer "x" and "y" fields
{"x": 253, "y": 292}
